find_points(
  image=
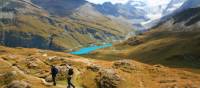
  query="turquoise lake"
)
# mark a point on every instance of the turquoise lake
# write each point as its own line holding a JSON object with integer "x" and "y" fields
{"x": 87, "y": 50}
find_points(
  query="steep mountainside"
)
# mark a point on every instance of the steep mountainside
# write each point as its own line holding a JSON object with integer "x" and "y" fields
{"x": 41, "y": 24}
{"x": 173, "y": 43}
{"x": 142, "y": 14}
{"x": 172, "y": 6}
{"x": 183, "y": 17}
{"x": 60, "y": 7}
{"x": 129, "y": 12}
{"x": 190, "y": 4}
{"x": 188, "y": 20}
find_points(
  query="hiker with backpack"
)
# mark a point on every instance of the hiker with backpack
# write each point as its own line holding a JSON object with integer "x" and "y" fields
{"x": 69, "y": 74}
{"x": 54, "y": 72}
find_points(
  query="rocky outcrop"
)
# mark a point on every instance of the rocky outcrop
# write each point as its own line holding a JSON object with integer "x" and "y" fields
{"x": 34, "y": 27}
{"x": 124, "y": 65}
{"x": 62, "y": 72}
{"x": 94, "y": 67}
{"x": 18, "y": 84}
{"x": 54, "y": 58}
{"x": 8, "y": 77}
{"x": 108, "y": 78}
{"x": 23, "y": 39}
{"x": 48, "y": 79}
{"x": 61, "y": 7}
{"x": 32, "y": 63}
{"x": 185, "y": 21}
{"x": 134, "y": 41}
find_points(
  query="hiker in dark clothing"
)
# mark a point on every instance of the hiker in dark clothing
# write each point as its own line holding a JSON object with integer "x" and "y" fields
{"x": 54, "y": 72}
{"x": 70, "y": 73}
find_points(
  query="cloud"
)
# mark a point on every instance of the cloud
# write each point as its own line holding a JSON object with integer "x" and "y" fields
{"x": 148, "y": 2}
{"x": 113, "y": 1}
{"x": 156, "y": 2}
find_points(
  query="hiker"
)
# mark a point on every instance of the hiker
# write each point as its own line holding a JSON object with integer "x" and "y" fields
{"x": 54, "y": 72}
{"x": 69, "y": 74}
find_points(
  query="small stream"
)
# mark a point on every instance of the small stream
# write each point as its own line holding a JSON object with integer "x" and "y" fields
{"x": 87, "y": 50}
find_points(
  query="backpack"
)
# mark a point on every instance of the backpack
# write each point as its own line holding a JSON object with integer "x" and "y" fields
{"x": 56, "y": 71}
{"x": 70, "y": 72}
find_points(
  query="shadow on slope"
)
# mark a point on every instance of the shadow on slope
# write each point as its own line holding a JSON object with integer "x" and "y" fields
{"x": 172, "y": 49}
{"x": 60, "y": 7}
{"x": 190, "y": 15}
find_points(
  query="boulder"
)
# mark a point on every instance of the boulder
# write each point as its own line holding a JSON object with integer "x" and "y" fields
{"x": 94, "y": 67}
{"x": 134, "y": 41}
{"x": 62, "y": 72}
{"x": 108, "y": 78}
{"x": 52, "y": 58}
{"x": 31, "y": 62}
{"x": 124, "y": 65}
{"x": 18, "y": 84}
{"x": 48, "y": 79}
{"x": 55, "y": 58}
{"x": 158, "y": 66}
{"x": 32, "y": 65}
{"x": 8, "y": 77}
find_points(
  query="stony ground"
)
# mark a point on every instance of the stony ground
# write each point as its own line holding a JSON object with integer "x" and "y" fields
{"x": 30, "y": 68}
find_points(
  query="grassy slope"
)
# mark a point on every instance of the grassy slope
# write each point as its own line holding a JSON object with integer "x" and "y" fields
{"x": 38, "y": 22}
{"x": 32, "y": 24}
{"x": 174, "y": 49}
{"x": 143, "y": 75}
{"x": 88, "y": 14}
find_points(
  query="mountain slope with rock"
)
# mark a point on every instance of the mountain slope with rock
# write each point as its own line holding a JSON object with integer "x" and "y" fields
{"x": 186, "y": 18}
{"x": 164, "y": 57}
{"x": 31, "y": 68}
{"x": 25, "y": 23}
{"x": 173, "y": 43}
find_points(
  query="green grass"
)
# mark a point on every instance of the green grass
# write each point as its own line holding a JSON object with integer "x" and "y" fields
{"x": 172, "y": 49}
{"x": 38, "y": 22}
{"x": 34, "y": 25}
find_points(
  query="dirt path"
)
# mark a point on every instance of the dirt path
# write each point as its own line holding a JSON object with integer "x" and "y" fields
{"x": 15, "y": 68}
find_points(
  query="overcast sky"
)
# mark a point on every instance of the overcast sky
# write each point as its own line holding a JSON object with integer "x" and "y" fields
{"x": 148, "y": 2}
{"x": 102, "y": 1}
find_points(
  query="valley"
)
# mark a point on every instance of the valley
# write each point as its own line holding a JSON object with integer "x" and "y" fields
{"x": 114, "y": 44}
{"x": 177, "y": 50}
{"x": 87, "y": 50}
{"x": 32, "y": 24}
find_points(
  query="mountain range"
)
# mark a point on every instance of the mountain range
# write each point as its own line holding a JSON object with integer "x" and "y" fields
{"x": 164, "y": 56}
{"x": 60, "y": 25}
{"x": 174, "y": 42}
{"x": 55, "y": 23}
{"x": 186, "y": 18}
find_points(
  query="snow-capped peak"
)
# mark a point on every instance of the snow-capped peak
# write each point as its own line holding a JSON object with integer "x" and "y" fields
{"x": 139, "y": 12}
{"x": 172, "y": 6}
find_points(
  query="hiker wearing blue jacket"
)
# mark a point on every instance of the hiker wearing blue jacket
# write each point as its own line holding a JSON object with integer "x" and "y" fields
{"x": 54, "y": 72}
